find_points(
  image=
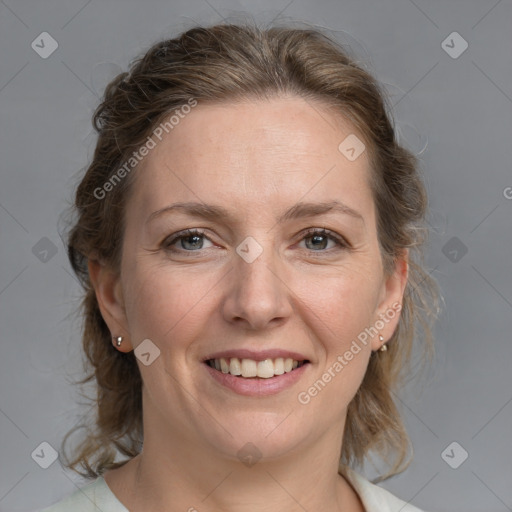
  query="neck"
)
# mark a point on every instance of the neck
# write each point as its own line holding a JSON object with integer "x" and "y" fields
{"x": 179, "y": 476}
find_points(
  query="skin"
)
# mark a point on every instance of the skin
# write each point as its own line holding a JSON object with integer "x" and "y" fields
{"x": 257, "y": 159}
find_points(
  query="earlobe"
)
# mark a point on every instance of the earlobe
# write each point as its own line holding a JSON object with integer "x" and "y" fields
{"x": 109, "y": 294}
{"x": 390, "y": 305}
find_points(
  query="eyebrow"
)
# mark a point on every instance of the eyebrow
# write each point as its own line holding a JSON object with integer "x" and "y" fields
{"x": 217, "y": 213}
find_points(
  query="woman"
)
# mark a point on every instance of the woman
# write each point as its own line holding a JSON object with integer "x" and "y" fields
{"x": 247, "y": 237}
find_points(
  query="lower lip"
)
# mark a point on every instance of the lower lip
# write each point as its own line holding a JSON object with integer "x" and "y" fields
{"x": 257, "y": 386}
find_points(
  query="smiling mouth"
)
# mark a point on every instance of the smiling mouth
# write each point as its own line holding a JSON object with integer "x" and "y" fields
{"x": 250, "y": 369}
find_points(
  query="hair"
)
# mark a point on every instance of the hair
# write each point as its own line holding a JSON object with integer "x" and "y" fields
{"x": 223, "y": 64}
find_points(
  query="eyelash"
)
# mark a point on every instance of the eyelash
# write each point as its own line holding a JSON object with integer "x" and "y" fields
{"x": 339, "y": 240}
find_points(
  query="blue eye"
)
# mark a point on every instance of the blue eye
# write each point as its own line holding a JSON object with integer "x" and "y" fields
{"x": 316, "y": 236}
{"x": 192, "y": 237}
{"x": 192, "y": 240}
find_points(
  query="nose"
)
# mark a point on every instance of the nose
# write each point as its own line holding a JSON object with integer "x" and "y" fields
{"x": 258, "y": 295}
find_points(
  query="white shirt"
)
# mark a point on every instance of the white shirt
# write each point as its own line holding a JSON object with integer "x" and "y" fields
{"x": 97, "y": 496}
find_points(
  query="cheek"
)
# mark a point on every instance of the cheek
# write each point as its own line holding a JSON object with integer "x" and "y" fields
{"x": 340, "y": 309}
{"x": 165, "y": 302}
{"x": 344, "y": 301}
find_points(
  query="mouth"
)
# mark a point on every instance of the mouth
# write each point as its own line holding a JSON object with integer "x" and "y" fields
{"x": 251, "y": 369}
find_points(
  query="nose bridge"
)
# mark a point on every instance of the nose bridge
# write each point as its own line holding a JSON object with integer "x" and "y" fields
{"x": 258, "y": 294}
{"x": 256, "y": 267}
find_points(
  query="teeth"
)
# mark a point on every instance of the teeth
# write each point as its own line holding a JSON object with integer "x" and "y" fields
{"x": 250, "y": 368}
{"x": 266, "y": 369}
{"x": 224, "y": 366}
{"x": 279, "y": 366}
{"x": 234, "y": 366}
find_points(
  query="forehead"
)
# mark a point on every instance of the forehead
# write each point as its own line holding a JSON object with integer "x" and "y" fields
{"x": 254, "y": 153}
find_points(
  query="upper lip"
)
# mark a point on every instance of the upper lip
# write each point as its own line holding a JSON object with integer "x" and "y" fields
{"x": 257, "y": 355}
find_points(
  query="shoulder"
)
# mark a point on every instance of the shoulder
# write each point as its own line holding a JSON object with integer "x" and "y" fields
{"x": 375, "y": 498}
{"x": 92, "y": 497}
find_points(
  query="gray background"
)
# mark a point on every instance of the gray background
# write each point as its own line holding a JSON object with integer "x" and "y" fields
{"x": 454, "y": 112}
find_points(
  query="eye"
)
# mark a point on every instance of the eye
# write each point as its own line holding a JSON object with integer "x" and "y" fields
{"x": 320, "y": 239}
{"x": 190, "y": 241}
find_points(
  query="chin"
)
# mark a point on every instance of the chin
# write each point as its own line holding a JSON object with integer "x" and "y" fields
{"x": 257, "y": 435}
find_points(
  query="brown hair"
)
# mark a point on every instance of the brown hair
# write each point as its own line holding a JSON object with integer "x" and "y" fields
{"x": 226, "y": 63}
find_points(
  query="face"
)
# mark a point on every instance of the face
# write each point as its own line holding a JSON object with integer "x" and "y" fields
{"x": 275, "y": 275}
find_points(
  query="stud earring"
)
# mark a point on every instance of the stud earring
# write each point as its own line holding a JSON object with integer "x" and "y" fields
{"x": 384, "y": 347}
{"x": 119, "y": 340}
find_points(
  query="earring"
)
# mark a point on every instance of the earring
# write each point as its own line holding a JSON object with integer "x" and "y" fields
{"x": 384, "y": 347}
{"x": 119, "y": 340}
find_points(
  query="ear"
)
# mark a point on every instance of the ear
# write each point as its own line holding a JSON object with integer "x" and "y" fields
{"x": 391, "y": 298}
{"x": 109, "y": 294}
